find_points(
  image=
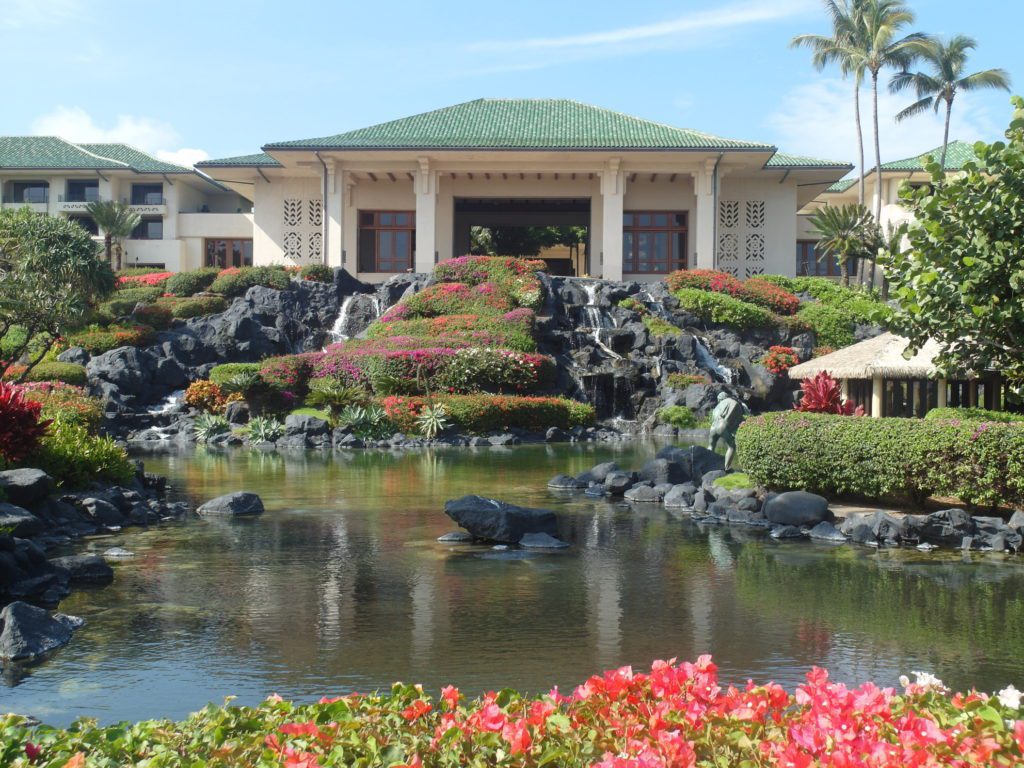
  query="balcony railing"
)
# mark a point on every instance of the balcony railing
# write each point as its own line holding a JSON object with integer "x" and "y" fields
{"x": 28, "y": 198}
{"x": 150, "y": 199}
{"x": 88, "y": 196}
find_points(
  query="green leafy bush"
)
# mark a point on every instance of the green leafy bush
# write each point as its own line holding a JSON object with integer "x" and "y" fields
{"x": 191, "y": 282}
{"x": 68, "y": 373}
{"x": 861, "y": 303}
{"x": 97, "y": 340}
{"x": 678, "y": 416}
{"x": 832, "y": 327}
{"x": 156, "y": 316}
{"x": 65, "y": 401}
{"x": 724, "y": 309}
{"x": 75, "y": 457}
{"x": 197, "y": 306}
{"x": 319, "y": 273}
{"x": 978, "y": 463}
{"x": 235, "y": 283}
{"x": 141, "y": 293}
{"x": 973, "y": 414}
{"x": 220, "y": 374}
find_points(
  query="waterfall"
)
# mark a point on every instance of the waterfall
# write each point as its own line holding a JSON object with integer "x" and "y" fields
{"x": 710, "y": 362}
{"x": 168, "y": 404}
{"x": 597, "y": 318}
{"x": 337, "y": 331}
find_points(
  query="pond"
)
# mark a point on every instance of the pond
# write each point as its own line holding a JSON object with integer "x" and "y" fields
{"x": 342, "y": 586}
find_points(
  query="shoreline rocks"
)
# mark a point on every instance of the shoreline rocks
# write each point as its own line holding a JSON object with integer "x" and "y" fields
{"x": 28, "y": 632}
{"x": 499, "y": 521}
{"x": 239, "y": 504}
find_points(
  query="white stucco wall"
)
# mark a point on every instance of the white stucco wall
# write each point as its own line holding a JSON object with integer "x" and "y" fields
{"x": 286, "y": 227}
{"x": 756, "y": 226}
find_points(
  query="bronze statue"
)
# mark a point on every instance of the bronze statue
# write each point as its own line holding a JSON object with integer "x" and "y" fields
{"x": 725, "y": 421}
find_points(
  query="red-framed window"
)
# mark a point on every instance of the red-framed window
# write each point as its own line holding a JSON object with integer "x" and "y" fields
{"x": 387, "y": 240}
{"x": 653, "y": 242}
{"x": 227, "y": 252}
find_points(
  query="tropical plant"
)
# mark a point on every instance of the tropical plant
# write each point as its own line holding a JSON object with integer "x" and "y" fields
{"x": 205, "y": 395}
{"x": 50, "y": 280}
{"x": 369, "y": 423}
{"x": 823, "y": 394}
{"x": 938, "y": 87}
{"x": 847, "y": 232}
{"x": 117, "y": 221}
{"x": 243, "y": 382}
{"x": 335, "y": 395}
{"x": 780, "y": 359}
{"x": 678, "y": 416}
{"x": 21, "y": 428}
{"x": 209, "y": 425}
{"x": 433, "y": 420}
{"x": 75, "y": 457}
{"x": 263, "y": 429}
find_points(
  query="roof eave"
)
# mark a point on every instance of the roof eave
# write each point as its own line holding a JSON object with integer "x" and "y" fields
{"x": 335, "y": 148}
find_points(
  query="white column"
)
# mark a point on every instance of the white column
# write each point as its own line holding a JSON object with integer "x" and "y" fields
{"x": 877, "y": 396}
{"x": 613, "y": 191}
{"x": 334, "y": 205}
{"x": 704, "y": 187}
{"x": 426, "y": 217}
{"x": 941, "y": 400}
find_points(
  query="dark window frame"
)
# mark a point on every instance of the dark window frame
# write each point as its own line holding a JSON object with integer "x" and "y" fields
{"x": 142, "y": 191}
{"x": 141, "y": 232}
{"x": 632, "y": 229}
{"x": 229, "y": 252}
{"x": 81, "y": 195}
{"x": 378, "y": 225}
{"x": 24, "y": 186}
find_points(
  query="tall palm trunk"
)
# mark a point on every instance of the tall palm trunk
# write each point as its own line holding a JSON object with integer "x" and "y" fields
{"x": 878, "y": 147}
{"x": 108, "y": 246}
{"x": 844, "y": 270}
{"x": 945, "y": 135}
{"x": 860, "y": 135}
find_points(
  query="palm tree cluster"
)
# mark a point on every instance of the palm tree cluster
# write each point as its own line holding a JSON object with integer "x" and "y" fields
{"x": 868, "y": 38}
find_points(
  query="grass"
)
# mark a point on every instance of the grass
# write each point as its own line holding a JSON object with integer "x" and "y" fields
{"x": 735, "y": 481}
{"x": 659, "y": 327}
{"x": 311, "y": 412}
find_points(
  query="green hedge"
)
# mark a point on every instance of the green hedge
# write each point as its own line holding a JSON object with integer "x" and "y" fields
{"x": 832, "y": 327}
{"x": 190, "y": 283}
{"x": 719, "y": 308}
{"x": 69, "y": 373}
{"x": 221, "y": 373}
{"x": 197, "y": 306}
{"x": 235, "y": 283}
{"x": 862, "y": 304}
{"x": 318, "y": 273}
{"x": 973, "y": 414}
{"x": 97, "y": 340}
{"x": 978, "y": 463}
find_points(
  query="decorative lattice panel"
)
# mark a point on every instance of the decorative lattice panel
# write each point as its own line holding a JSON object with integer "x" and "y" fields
{"x": 293, "y": 212}
{"x": 728, "y": 236}
{"x": 302, "y": 228}
{"x": 316, "y": 246}
{"x": 755, "y": 214}
{"x": 728, "y": 214}
{"x": 741, "y": 237}
{"x": 316, "y": 213}
{"x": 754, "y": 247}
{"x": 292, "y": 246}
{"x": 750, "y": 271}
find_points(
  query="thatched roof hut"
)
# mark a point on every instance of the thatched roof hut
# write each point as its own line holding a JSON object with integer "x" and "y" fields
{"x": 881, "y": 356}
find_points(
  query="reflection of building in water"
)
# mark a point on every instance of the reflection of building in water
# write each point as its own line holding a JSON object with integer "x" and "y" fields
{"x": 603, "y": 592}
{"x": 337, "y": 609}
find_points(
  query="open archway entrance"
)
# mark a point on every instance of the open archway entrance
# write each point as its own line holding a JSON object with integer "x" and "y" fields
{"x": 554, "y": 229}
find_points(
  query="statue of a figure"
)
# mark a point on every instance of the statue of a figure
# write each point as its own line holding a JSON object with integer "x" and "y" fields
{"x": 725, "y": 421}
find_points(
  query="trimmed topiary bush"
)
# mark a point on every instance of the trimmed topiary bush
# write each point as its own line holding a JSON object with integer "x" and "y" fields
{"x": 973, "y": 414}
{"x": 221, "y": 374}
{"x": 156, "y": 316}
{"x": 192, "y": 282}
{"x": 290, "y": 373}
{"x": 832, "y": 327}
{"x": 235, "y": 282}
{"x": 720, "y": 308}
{"x": 196, "y": 306}
{"x": 876, "y": 459}
{"x": 318, "y": 273}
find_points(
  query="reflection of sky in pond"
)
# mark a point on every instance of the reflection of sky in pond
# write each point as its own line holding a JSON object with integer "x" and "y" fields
{"x": 341, "y": 586}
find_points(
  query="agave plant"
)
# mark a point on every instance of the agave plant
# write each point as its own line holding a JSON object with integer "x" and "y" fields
{"x": 368, "y": 423}
{"x": 264, "y": 429}
{"x": 823, "y": 394}
{"x": 335, "y": 396}
{"x": 243, "y": 383}
{"x": 433, "y": 419}
{"x": 209, "y": 425}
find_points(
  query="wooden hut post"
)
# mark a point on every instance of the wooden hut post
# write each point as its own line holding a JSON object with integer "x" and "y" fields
{"x": 877, "y": 392}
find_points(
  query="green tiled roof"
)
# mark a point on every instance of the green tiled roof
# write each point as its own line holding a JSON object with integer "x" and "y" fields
{"x": 49, "y": 152}
{"x": 134, "y": 158}
{"x": 259, "y": 159}
{"x": 783, "y": 160}
{"x": 521, "y": 124}
{"x": 842, "y": 186}
{"x": 958, "y": 153}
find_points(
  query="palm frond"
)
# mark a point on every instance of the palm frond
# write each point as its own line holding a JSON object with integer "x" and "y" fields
{"x": 988, "y": 78}
{"x": 919, "y": 106}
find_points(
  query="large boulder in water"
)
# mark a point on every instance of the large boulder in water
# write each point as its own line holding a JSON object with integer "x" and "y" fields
{"x": 694, "y": 461}
{"x": 28, "y": 632}
{"x": 499, "y": 521}
{"x": 85, "y": 569}
{"x": 797, "y": 508}
{"x": 238, "y": 504}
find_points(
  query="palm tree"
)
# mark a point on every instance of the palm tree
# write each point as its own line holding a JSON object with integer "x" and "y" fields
{"x": 881, "y": 22}
{"x": 939, "y": 87}
{"x": 840, "y": 48}
{"x": 118, "y": 221}
{"x": 847, "y": 232}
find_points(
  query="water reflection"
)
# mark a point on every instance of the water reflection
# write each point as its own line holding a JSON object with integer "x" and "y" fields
{"x": 341, "y": 586}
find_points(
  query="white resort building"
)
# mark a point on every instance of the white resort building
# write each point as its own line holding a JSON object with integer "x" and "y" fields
{"x": 187, "y": 218}
{"x": 404, "y": 194}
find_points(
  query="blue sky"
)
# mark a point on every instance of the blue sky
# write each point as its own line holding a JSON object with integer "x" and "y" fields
{"x": 192, "y": 79}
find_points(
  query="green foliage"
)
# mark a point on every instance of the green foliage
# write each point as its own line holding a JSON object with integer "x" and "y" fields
{"x": 659, "y": 327}
{"x": 368, "y": 423}
{"x": 974, "y": 414}
{"x": 961, "y": 282}
{"x": 156, "y": 316}
{"x": 75, "y": 457}
{"x": 684, "y": 380}
{"x": 197, "y": 306}
{"x": 117, "y": 220}
{"x": 847, "y": 232}
{"x": 978, "y": 463}
{"x": 232, "y": 283}
{"x": 191, "y": 282}
{"x": 433, "y": 420}
{"x": 319, "y": 273}
{"x": 66, "y": 402}
{"x": 220, "y": 374}
{"x": 861, "y": 303}
{"x": 679, "y": 416}
{"x": 138, "y": 293}
{"x": 335, "y": 395}
{"x": 723, "y": 309}
{"x": 209, "y": 425}
{"x": 68, "y": 373}
{"x": 493, "y": 413}
{"x": 52, "y": 279}
{"x": 96, "y": 339}
{"x": 832, "y": 327}
{"x": 263, "y": 429}
{"x": 735, "y": 481}
{"x": 245, "y": 383}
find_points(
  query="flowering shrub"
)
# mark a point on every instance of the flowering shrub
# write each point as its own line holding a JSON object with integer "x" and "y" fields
{"x": 156, "y": 316}
{"x": 69, "y": 373}
{"x": 515, "y": 278}
{"x": 770, "y": 296}
{"x": 204, "y": 395}
{"x": 756, "y": 290}
{"x": 683, "y": 380}
{"x": 151, "y": 279}
{"x": 675, "y": 716}
{"x": 65, "y": 401}
{"x": 236, "y": 281}
{"x": 191, "y": 282}
{"x": 495, "y": 370}
{"x": 823, "y": 394}
{"x": 977, "y": 463}
{"x": 512, "y": 330}
{"x": 290, "y": 372}
{"x": 780, "y": 359}
{"x": 724, "y": 309}
{"x": 96, "y": 340}
{"x": 456, "y": 298}
{"x": 318, "y": 273}
{"x": 21, "y": 427}
{"x": 492, "y": 413}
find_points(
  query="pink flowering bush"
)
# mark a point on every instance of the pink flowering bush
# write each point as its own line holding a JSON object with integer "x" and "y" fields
{"x": 516, "y": 278}
{"x": 675, "y": 716}
{"x": 457, "y": 298}
{"x": 513, "y": 330}
{"x": 150, "y": 279}
{"x": 290, "y": 372}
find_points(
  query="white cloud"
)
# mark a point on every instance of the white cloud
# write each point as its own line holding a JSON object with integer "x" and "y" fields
{"x": 153, "y": 136}
{"x": 24, "y": 14}
{"x": 816, "y": 119}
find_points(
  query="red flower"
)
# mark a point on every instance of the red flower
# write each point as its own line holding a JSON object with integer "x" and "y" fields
{"x": 416, "y": 710}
